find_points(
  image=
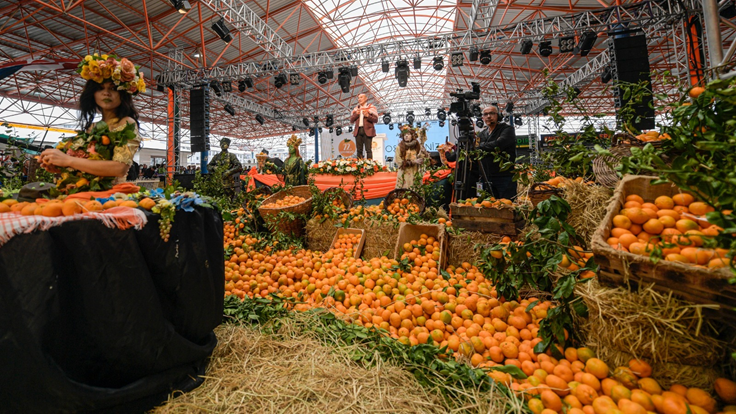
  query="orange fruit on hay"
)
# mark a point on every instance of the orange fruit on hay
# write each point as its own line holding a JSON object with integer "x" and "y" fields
{"x": 677, "y": 389}
{"x": 607, "y": 385}
{"x": 629, "y": 407}
{"x": 675, "y": 257}
{"x": 702, "y": 399}
{"x": 604, "y": 404}
{"x": 726, "y": 389}
{"x": 71, "y": 207}
{"x": 557, "y": 384}
{"x": 551, "y": 400}
{"x": 630, "y": 204}
{"x": 619, "y": 391}
{"x": 146, "y": 203}
{"x": 649, "y": 385}
{"x": 5, "y": 208}
{"x": 719, "y": 262}
{"x": 643, "y": 398}
{"x": 586, "y": 394}
{"x": 596, "y": 367}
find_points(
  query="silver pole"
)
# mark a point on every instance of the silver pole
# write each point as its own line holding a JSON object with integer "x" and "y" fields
{"x": 713, "y": 32}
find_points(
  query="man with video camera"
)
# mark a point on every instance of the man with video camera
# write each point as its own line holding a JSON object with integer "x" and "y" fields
{"x": 499, "y": 135}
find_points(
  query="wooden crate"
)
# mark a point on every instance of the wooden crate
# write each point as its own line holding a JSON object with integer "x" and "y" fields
{"x": 507, "y": 221}
{"x": 359, "y": 247}
{"x": 696, "y": 284}
{"x": 409, "y": 232}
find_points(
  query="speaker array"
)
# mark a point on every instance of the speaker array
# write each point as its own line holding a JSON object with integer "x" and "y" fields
{"x": 630, "y": 59}
{"x": 199, "y": 121}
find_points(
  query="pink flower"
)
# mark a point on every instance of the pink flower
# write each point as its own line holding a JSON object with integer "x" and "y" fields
{"x": 127, "y": 69}
{"x": 91, "y": 148}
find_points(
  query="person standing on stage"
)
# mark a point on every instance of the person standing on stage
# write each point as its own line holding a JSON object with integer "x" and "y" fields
{"x": 499, "y": 135}
{"x": 364, "y": 116}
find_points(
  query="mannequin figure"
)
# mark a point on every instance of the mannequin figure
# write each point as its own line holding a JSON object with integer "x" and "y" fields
{"x": 294, "y": 168}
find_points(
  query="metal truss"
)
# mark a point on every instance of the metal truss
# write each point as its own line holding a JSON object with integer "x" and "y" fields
{"x": 533, "y": 124}
{"x": 250, "y": 24}
{"x": 658, "y": 13}
{"x": 482, "y": 13}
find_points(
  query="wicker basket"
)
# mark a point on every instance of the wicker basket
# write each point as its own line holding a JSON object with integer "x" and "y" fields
{"x": 337, "y": 192}
{"x": 271, "y": 214}
{"x": 542, "y": 191}
{"x": 410, "y": 195}
{"x": 605, "y": 175}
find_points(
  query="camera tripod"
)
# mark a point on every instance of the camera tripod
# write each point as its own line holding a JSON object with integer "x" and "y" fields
{"x": 466, "y": 142}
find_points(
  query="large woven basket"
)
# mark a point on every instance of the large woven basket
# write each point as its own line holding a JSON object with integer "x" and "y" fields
{"x": 337, "y": 192}
{"x": 293, "y": 227}
{"x": 410, "y": 195}
{"x": 603, "y": 166}
{"x": 542, "y": 191}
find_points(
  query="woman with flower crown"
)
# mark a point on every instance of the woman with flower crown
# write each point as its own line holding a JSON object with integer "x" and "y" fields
{"x": 111, "y": 85}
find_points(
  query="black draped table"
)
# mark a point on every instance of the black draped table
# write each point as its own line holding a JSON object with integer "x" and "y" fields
{"x": 94, "y": 319}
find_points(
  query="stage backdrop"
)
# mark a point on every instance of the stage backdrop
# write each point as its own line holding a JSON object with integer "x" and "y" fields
{"x": 332, "y": 145}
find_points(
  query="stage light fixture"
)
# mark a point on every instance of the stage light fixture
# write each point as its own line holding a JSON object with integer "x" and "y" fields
{"x": 241, "y": 86}
{"x": 227, "y": 86}
{"x": 485, "y": 57}
{"x": 344, "y": 79}
{"x": 229, "y": 109}
{"x": 221, "y": 29}
{"x": 479, "y": 123}
{"x": 293, "y": 127}
{"x": 350, "y": 129}
{"x": 587, "y": 40}
{"x": 330, "y": 73}
{"x": 506, "y": 119}
{"x": 473, "y": 54}
{"x": 410, "y": 117}
{"x": 215, "y": 85}
{"x": 338, "y": 131}
{"x": 305, "y": 121}
{"x": 316, "y": 119}
{"x": 311, "y": 132}
{"x": 260, "y": 119}
{"x": 329, "y": 121}
{"x": 441, "y": 114}
{"x": 566, "y": 44}
{"x": 526, "y": 46}
{"x": 606, "y": 75}
{"x": 387, "y": 118}
{"x": 438, "y": 63}
{"x": 279, "y": 80}
{"x": 384, "y": 66}
{"x": 453, "y": 122}
{"x": 509, "y": 107}
{"x": 457, "y": 59}
{"x": 442, "y": 124}
{"x": 321, "y": 78}
{"x": 354, "y": 71}
{"x": 417, "y": 63}
{"x": 182, "y": 6}
{"x": 159, "y": 85}
{"x": 331, "y": 130}
{"x": 391, "y": 126}
{"x": 249, "y": 82}
{"x": 545, "y": 48}
{"x": 517, "y": 120}
{"x": 402, "y": 72}
{"x": 427, "y": 111}
{"x": 294, "y": 78}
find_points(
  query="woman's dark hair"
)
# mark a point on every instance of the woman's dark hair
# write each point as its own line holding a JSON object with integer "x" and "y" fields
{"x": 88, "y": 107}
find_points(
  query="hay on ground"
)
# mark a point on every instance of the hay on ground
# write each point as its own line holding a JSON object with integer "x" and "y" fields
{"x": 380, "y": 236}
{"x": 320, "y": 234}
{"x": 467, "y": 246}
{"x": 292, "y": 372}
{"x": 668, "y": 333}
{"x": 588, "y": 204}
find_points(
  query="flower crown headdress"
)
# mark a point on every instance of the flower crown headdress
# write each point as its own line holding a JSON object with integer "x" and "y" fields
{"x": 122, "y": 72}
{"x": 294, "y": 140}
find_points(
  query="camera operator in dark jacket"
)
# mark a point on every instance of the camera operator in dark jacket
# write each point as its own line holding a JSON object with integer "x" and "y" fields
{"x": 499, "y": 135}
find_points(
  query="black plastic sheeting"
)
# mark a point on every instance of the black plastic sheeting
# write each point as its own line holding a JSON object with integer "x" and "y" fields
{"x": 94, "y": 319}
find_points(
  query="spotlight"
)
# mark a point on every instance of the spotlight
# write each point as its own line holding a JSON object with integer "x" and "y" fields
{"x": 402, "y": 72}
{"x": 485, "y": 57}
{"x": 293, "y": 127}
{"x": 354, "y": 71}
{"x": 410, "y": 117}
{"x": 294, "y": 78}
{"x": 387, "y": 118}
{"x": 506, "y": 119}
{"x": 479, "y": 123}
{"x": 279, "y": 80}
{"x": 517, "y": 120}
{"x": 305, "y": 121}
{"x": 329, "y": 121}
{"x": 457, "y": 59}
{"x": 242, "y": 86}
{"x": 249, "y": 82}
{"x": 159, "y": 85}
{"x": 221, "y": 29}
{"x": 331, "y": 130}
{"x": 606, "y": 75}
{"x": 329, "y": 73}
{"x": 182, "y": 6}
{"x": 260, "y": 119}
{"x": 215, "y": 85}
{"x": 442, "y": 124}
{"x": 473, "y": 54}
{"x": 311, "y": 132}
{"x": 545, "y": 48}
{"x": 566, "y": 44}
{"x": 229, "y": 109}
{"x": 438, "y": 63}
{"x": 427, "y": 111}
{"x": 526, "y": 46}
{"x": 441, "y": 114}
{"x": 509, "y": 107}
{"x": 417, "y": 63}
{"x": 384, "y": 66}
{"x": 338, "y": 131}
{"x": 453, "y": 122}
{"x": 391, "y": 126}
{"x": 350, "y": 128}
{"x": 321, "y": 78}
{"x": 227, "y": 86}
{"x": 587, "y": 40}
{"x": 316, "y": 119}
{"x": 344, "y": 79}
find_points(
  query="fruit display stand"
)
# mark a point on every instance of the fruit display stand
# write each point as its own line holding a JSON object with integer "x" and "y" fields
{"x": 360, "y": 232}
{"x": 270, "y": 211}
{"x": 697, "y": 284}
{"x": 504, "y": 220}
{"x": 409, "y": 232}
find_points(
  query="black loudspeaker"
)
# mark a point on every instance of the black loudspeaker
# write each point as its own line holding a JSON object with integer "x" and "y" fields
{"x": 199, "y": 119}
{"x": 631, "y": 58}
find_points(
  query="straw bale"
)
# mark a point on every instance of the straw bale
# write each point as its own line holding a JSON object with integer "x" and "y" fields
{"x": 320, "y": 234}
{"x": 588, "y": 204}
{"x": 380, "y": 236}
{"x": 652, "y": 326}
{"x": 293, "y": 372}
{"x": 462, "y": 247}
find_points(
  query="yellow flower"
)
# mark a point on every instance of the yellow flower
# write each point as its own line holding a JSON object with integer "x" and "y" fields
{"x": 85, "y": 73}
{"x": 88, "y": 58}
{"x": 104, "y": 57}
{"x": 95, "y": 54}
{"x": 116, "y": 74}
{"x": 141, "y": 85}
{"x": 106, "y": 71}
